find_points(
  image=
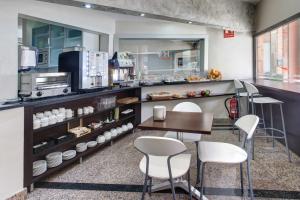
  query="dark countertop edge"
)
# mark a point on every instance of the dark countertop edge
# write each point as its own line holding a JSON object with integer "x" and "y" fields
{"x": 61, "y": 99}
{"x": 290, "y": 86}
{"x": 186, "y": 83}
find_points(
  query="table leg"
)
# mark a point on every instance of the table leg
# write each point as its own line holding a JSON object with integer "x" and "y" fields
{"x": 183, "y": 184}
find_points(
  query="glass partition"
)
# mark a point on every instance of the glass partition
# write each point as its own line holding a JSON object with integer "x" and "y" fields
{"x": 165, "y": 59}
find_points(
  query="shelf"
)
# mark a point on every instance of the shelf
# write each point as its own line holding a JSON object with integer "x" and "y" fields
{"x": 183, "y": 98}
{"x": 80, "y": 116}
{"x": 74, "y": 141}
{"x": 78, "y": 156}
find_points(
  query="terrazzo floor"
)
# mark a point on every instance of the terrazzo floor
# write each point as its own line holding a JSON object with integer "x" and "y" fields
{"x": 113, "y": 173}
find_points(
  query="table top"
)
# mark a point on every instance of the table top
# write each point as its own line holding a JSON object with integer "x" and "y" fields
{"x": 189, "y": 122}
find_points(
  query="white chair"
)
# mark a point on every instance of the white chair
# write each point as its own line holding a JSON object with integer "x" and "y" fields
{"x": 187, "y": 137}
{"x": 217, "y": 152}
{"x": 252, "y": 91}
{"x": 163, "y": 160}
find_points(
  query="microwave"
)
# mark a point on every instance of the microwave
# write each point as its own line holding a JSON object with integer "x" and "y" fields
{"x": 43, "y": 58}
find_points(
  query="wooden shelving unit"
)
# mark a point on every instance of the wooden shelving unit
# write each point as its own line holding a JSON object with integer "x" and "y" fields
{"x": 33, "y": 137}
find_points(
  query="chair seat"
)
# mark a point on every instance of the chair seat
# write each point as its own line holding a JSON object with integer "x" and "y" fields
{"x": 184, "y": 137}
{"x": 158, "y": 167}
{"x": 265, "y": 100}
{"x": 218, "y": 152}
{"x": 245, "y": 94}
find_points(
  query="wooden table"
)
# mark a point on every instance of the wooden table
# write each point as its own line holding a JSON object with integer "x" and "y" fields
{"x": 183, "y": 122}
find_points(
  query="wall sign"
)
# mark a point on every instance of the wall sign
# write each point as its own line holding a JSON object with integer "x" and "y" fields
{"x": 228, "y": 34}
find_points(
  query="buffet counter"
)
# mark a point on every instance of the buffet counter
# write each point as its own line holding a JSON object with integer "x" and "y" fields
{"x": 219, "y": 91}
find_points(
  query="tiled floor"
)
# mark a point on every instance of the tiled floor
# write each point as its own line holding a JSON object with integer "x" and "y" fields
{"x": 113, "y": 173}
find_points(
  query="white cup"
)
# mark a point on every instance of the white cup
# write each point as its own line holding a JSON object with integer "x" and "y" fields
{"x": 52, "y": 119}
{"x": 130, "y": 125}
{"x": 36, "y": 123}
{"x": 60, "y": 117}
{"x": 79, "y": 111}
{"x": 47, "y": 113}
{"x": 39, "y": 115}
{"x": 33, "y": 116}
{"x": 55, "y": 111}
{"x": 159, "y": 113}
{"x": 69, "y": 113}
{"x": 86, "y": 110}
{"x": 91, "y": 109}
{"x": 62, "y": 110}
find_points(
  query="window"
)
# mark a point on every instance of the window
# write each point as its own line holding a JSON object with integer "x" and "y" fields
{"x": 278, "y": 53}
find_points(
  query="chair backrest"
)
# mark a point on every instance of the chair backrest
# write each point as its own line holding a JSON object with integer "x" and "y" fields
{"x": 248, "y": 124}
{"x": 251, "y": 89}
{"x": 159, "y": 146}
{"x": 238, "y": 84}
{"x": 187, "y": 107}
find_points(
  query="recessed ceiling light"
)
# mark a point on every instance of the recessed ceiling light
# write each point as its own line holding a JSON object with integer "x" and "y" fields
{"x": 87, "y": 5}
{"x": 142, "y": 14}
{"x": 190, "y": 22}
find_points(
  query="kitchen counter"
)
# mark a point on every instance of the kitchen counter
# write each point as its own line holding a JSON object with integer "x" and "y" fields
{"x": 186, "y": 82}
{"x": 59, "y": 99}
{"x": 277, "y": 85}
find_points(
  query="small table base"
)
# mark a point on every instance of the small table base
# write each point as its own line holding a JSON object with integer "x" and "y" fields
{"x": 183, "y": 184}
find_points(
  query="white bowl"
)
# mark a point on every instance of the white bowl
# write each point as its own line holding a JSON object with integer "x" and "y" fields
{"x": 124, "y": 128}
{"x": 130, "y": 125}
{"x": 107, "y": 135}
{"x": 120, "y": 130}
{"x": 91, "y": 144}
{"x": 114, "y": 132}
{"x": 100, "y": 139}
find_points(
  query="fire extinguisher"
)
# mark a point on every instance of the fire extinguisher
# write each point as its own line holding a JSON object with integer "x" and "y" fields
{"x": 233, "y": 107}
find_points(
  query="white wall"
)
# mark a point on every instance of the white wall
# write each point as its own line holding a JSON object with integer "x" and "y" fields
{"x": 270, "y": 12}
{"x": 9, "y": 10}
{"x": 233, "y": 56}
{"x": 11, "y": 152}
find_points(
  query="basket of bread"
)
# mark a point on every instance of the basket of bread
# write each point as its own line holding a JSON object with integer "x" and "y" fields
{"x": 214, "y": 74}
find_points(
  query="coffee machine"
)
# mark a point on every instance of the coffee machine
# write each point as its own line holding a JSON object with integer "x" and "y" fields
{"x": 89, "y": 69}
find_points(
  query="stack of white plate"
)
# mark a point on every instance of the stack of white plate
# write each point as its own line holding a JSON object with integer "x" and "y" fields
{"x": 39, "y": 167}
{"x": 67, "y": 155}
{"x": 81, "y": 147}
{"x": 91, "y": 144}
{"x": 100, "y": 139}
{"x": 54, "y": 159}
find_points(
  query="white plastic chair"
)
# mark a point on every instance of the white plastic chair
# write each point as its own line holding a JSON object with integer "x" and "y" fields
{"x": 163, "y": 160}
{"x": 218, "y": 152}
{"x": 187, "y": 137}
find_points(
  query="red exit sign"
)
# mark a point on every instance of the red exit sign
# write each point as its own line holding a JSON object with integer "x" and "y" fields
{"x": 228, "y": 34}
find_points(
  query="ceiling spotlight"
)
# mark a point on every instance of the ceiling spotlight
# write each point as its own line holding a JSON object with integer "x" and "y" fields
{"x": 142, "y": 14}
{"x": 87, "y": 5}
{"x": 190, "y": 22}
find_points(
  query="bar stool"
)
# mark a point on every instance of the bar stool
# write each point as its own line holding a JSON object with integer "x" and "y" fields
{"x": 252, "y": 90}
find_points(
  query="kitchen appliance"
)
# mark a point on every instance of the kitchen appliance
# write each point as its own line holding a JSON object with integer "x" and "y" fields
{"x": 27, "y": 58}
{"x": 43, "y": 58}
{"x": 89, "y": 69}
{"x": 37, "y": 85}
